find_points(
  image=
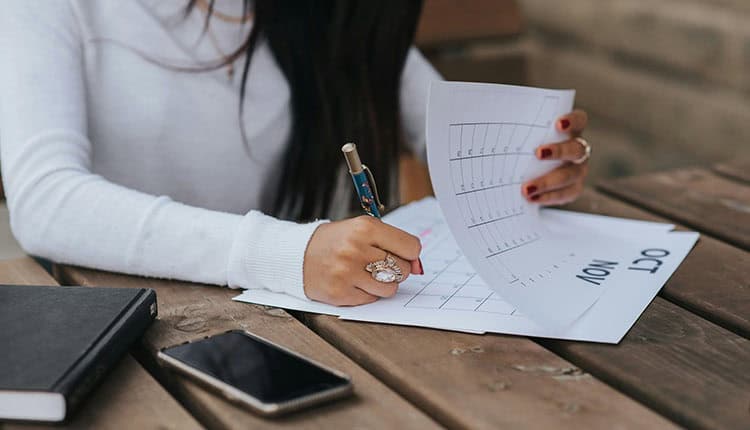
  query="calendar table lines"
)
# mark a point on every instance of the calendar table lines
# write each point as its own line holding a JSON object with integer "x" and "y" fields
{"x": 481, "y": 151}
{"x": 495, "y": 220}
{"x": 457, "y": 290}
{"x": 429, "y": 282}
{"x": 476, "y": 190}
{"x": 490, "y": 155}
{"x": 513, "y": 247}
{"x": 476, "y": 309}
{"x": 499, "y": 123}
{"x": 490, "y": 199}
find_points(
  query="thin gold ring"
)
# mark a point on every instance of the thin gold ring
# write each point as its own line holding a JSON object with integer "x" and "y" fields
{"x": 586, "y": 150}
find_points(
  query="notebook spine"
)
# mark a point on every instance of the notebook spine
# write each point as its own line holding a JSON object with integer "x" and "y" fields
{"x": 109, "y": 349}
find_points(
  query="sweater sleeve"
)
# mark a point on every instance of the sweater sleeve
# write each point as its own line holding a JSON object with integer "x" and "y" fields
{"x": 62, "y": 211}
{"x": 415, "y": 87}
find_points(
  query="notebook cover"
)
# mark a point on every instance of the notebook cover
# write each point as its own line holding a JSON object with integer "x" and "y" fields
{"x": 64, "y": 339}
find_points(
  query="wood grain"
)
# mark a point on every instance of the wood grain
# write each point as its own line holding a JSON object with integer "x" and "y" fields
{"x": 679, "y": 364}
{"x": 129, "y": 396}
{"x": 694, "y": 197}
{"x": 484, "y": 382}
{"x": 189, "y": 311}
{"x": 738, "y": 170}
{"x": 714, "y": 279}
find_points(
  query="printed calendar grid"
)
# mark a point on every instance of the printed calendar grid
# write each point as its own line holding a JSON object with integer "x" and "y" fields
{"x": 455, "y": 285}
{"x": 487, "y": 161}
{"x": 486, "y": 178}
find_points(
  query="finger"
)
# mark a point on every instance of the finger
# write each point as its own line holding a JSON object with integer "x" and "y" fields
{"x": 569, "y": 150}
{"x": 573, "y": 123}
{"x": 561, "y": 177}
{"x": 416, "y": 267}
{"x": 392, "y": 239}
{"x": 355, "y": 297}
{"x": 560, "y": 196}
{"x": 375, "y": 288}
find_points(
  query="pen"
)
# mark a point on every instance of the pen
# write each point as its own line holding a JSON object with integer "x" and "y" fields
{"x": 364, "y": 183}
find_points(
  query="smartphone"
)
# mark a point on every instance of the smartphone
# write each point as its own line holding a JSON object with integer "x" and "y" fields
{"x": 256, "y": 373}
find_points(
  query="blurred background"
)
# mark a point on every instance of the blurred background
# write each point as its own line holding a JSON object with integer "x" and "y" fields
{"x": 665, "y": 82}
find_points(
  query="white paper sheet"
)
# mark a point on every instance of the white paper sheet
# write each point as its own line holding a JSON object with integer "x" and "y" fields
{"x": 560, "y": 221}
{"x": 451, "y": 296}
{"x": 269, "y": 298}
{"x": 451, "y": 291}
{"x": 480, "y": 147}
{"x": 261, "y": 296}
{"x": 550, "y": 273}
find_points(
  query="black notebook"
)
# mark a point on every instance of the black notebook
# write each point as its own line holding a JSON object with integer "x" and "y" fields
{"x": 56, "y": 344}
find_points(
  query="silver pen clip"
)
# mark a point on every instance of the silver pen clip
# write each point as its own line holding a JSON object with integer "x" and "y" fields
{"x": 371, "y": 180}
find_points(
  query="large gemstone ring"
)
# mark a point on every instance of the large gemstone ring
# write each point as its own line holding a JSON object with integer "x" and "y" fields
{"x": 385, "y": 271}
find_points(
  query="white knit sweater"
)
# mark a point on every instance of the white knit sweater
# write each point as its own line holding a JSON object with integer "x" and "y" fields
{"x": 113, "y": 162}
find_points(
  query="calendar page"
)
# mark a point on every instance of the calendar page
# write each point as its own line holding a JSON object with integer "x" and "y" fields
{"x": 494, "y": 262}
{"x": 451, "y": 296}
{"x": 480, "y": 146}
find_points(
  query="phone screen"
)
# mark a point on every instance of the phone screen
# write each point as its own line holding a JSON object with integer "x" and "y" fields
{"x": 258, "y": 368}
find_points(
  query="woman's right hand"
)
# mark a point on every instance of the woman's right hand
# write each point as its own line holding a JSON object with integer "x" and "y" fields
{"x": 336, "y": 256}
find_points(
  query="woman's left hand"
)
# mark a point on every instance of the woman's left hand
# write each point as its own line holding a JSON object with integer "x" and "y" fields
{"x": 565, "y": 183}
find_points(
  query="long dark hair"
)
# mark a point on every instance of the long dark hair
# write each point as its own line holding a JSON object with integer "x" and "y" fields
{"x": 343, "y": 61}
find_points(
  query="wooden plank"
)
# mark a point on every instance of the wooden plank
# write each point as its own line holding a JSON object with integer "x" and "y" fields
{"x": 683, "y": 366}
{"x": 679, "y": 364}
{"x": 449, "y": 21}
{"x": 24, "y": 271}
{"x": 694, "y": 197}
{"x": 738, "y": 169}
{"x": 10, "y": 248}
{"x": 189, "y": 311}
{"x": 129, "y": 396}
{"x": 509, "y": 68}
{"x": 714, "y": 279}
{"x": 484, "y": 382}
{"x": 665, "y": 379}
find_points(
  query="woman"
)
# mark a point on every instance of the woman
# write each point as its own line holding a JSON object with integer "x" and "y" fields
{"x": 122, "y": 148}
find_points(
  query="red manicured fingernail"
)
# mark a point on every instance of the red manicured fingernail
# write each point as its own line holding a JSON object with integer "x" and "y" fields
{"x": 421, "y": 269}
{"x": 564, "y": 124}
{"x": 531, "y": 189}
{"x": 535, "y": 198}
{"x": 546, "y": 153}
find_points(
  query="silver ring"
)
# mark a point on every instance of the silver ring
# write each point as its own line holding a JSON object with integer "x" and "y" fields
{"x": 385, "y": 271}
{"x": 586, "y": 150}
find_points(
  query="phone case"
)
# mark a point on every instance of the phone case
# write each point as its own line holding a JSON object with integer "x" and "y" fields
{"x": 240, "y": 397}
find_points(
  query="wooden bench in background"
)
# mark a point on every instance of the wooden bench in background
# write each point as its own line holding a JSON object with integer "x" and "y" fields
{"x": 474, "y": 41}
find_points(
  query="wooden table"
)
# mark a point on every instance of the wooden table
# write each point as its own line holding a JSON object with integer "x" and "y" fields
{"x": 686, "y": 361}
{"x": 129, "y": 396}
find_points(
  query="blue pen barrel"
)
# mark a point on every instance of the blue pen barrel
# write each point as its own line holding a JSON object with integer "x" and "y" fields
{"x": 364, "y": 182}
{"x": 366, "y": 196}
